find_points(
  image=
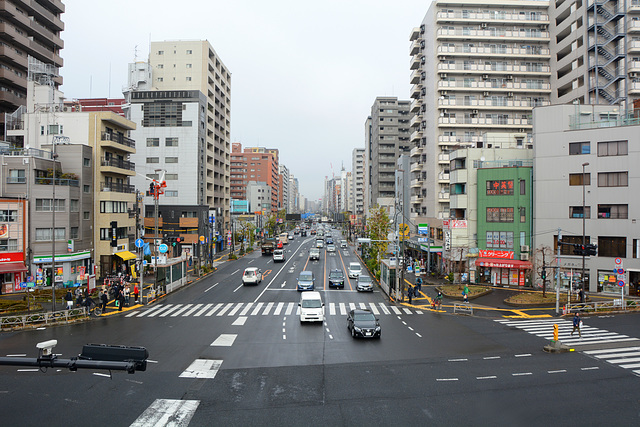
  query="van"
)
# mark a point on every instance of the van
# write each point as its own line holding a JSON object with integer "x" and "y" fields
{"x": 319, "y": 243}
{"x": 311, "y": 307}
{"x": 306, "y": 281}
{"x": 279, "y": 255}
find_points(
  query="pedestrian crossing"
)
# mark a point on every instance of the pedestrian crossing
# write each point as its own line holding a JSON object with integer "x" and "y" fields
{"x": 263, "y": 309}
{"x": 624, "y": 357}
{"x": 590, "y": 335}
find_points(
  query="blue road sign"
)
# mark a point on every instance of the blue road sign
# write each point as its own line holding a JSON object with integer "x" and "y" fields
{"x": 139, "y": 243}
{"x": 163, "y": 248}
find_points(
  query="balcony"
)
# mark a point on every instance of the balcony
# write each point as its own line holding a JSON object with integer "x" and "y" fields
{"x": 416, "y": 151}
{"x": 443, "y": 197}
{"x": 443, "y": 178}
{"x": 59, "y": 182}
{"x": 458, "y": 201}
{"x": 117, "y": 187}
{"x": 416, "y": 104}
{"x": 416, "y": 167}
{"x": 415, "y": 77}
{"x": 416, "y": 91}
{"x": 458, "y": 176}
{"x": 415, "y": 34}
{"x": 443, "y": 159}
{"x": 118, "y": 141}
{"x": 415, "y": 62}
{"x": 415, "y": 47}
{"x": 416, "y": 199}
{"x": 416, "y": 183}
{"x": 415, "y": 121}
{"x": 416, "y": 136}
{"x": 118, "y": 166}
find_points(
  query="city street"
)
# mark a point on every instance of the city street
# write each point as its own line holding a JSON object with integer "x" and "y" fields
{"x": 226, "y": 354}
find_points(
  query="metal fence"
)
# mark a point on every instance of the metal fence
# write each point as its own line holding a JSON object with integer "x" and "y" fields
{"x": 42, "y": 318}
{"x": 464, "y": 308}
{"x": 615, "y": 304}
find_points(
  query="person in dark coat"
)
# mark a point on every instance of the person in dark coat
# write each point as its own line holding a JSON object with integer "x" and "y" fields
{"x": 104, "y": 299}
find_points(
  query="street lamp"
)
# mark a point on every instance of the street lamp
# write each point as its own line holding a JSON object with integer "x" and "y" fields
{"x": 584, "y": 215}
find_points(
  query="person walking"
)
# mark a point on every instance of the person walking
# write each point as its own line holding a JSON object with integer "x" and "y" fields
{"x": 409, "y": 292}
{"x": 577, "y": 324}
{"x": 104, "y": 299}
{"x": 69, "y": 299}
{"x": 127, "y": 291}
{"x": 418, "y": 284}
{"x": 136, "y": 292}
{"x": 120, "y": 298}
{"x": 465, "y": 293}
{"x": 439, "y": 300}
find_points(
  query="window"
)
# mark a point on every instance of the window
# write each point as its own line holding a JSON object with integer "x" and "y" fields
{"x": 189, "y": 52}
{"x": 613, "y": 211}
{"x": 86, "y": 215}
{"x": 612, "y": 148}
{"x": 523, "y": 214}
{"x": 171, "y": 160}
{"x": 499, "y": 240}
{"x": 153, "y": 159}
{"x": 44, "y": 234}
{"x": 523, "y": 187}
{"x": 86, "y": 162}
{"x": 86, "y": 189}
{"x": 171, "y": 142}
{"x": 55, "y": 130}
{"x": 635, "y": 250}
{"x": 8, "y": 245}
{"x": 576, "y": 178}
{"x": 74, "y": 205}
{"x": 576, "y": 212}
{"x": 576, "y": 148}
{"x": 44, "y": 205}
{"x": 188, "y": 79}
{"x": 160, "y": 79}
{"x": 187, "y": 123}
{"x": 113, "y": 207}
{"x": 74, "y": 233}
{"x": 160, "y": 66}
{"x": 171, "y": 177}
{"x": 499, "y": 214}
{"x": 500, "y": 188}
{"x": 41, "y": 130}
{"x": 612, "y": 247}
{"x": 171, "y": 193}
{"x": 188, "y": 65}
{"x": 161, "y": 52}
{"x": 613, "y": 179}
{"x": 16, "y": 176}
{"x": 7, "y": 215}
{"x": 153, "y": 142}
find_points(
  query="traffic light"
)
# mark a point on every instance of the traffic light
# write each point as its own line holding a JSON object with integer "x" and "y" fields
{"x": 543, "y": 274}
{"x": 591, "y": 249}
{"x": 176, "y": 241}
{"x": 152, "y": 189}
{"x": 580, "y": 250}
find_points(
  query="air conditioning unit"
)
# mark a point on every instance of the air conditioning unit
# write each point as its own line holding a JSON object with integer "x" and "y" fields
{"x": 443, "y": 75}
{"x": 524, "y": 257}
{"x": 483, "y": 25}
{"x": 633, "y": 75}
{"x": 485, "y": 76}
{"x": 524, "y": 248}
{"x": 543, "y": 27}
{"x": 485, "y": 94}
{"x": 474, "y": 111}
{"x": 509, "y": 77}
{"x": 510, "y": 94}
{"x": 522, "y": 130}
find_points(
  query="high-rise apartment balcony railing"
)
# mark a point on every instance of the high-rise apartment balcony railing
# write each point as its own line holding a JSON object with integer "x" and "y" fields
{"x": 634, "y": 66}
{"x": 416, "y": 121}
{"x": 416, "y": 136}
{"x": 499, "y": 16}
{"x": 415, "y": 34}
{"x": 60, "y": 182}
{"x": 416, "y": 152}
{"x": 119, "y": 139}
{"x": 416, "y": 183}
{"x": 416, "y": 90}
{"x": 117, "y": 187}
{"x": 514, "y": 50}
{"x": 484, "y": 121}
{"x": 415, "y": 47}
{"x": 506, "y": 85}
{"x": 492, "y": 33}
{"x": 491, "y": 102}
{"x": 117, "y": 163}
{"x": 634, "y": 88}
{"x": 416, "y": 76}
{"x": 633, "y": 46}
{"x": 443, "y": 197}
{"x": 496, "y": 68}
{"x": 416, "y": 104}
{"x": 416, "y": 199}
{"x": 443, "y": 178}
{"x": 415, "y": 167}
{"x": 443, "y": 158}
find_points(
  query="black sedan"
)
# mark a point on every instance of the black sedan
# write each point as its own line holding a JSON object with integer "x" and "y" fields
{"x": 362, "y": 323}
{"x": 336, "y": 279}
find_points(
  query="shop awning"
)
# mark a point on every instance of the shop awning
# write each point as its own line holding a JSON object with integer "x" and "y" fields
{"x": 126, "y": 255}
{"x": 503, "y": 263}
{"x": 12, "y": 267}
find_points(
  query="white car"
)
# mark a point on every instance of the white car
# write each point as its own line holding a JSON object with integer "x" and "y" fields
{"x": 331, "y": 247}
{"x": 251, "y": 276}
{"x": 354, "y": 270}
{"x": 279, "y": 255}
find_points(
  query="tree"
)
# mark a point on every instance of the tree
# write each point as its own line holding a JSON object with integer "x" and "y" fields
{"x": 543, "y": 256}
{"x": 378, "y": 230}
{"x": 244, "y": 229}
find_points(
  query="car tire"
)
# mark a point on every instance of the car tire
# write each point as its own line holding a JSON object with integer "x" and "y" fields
{"x": 353, "y": 332}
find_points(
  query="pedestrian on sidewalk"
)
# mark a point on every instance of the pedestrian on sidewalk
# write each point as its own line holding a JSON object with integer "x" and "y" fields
{"x": 418, "y": 284}
{"x": 577, "y": 324}
{"x": 465, "y": 293}
{"x": 69, "y": 299}
{"x": 104, "y": 299}
{"x": 409, "y": 292}
{"x": 136, "y": 292}
{"x": 120, "y": 298}
{"x": 439, "y": 300}
{"x": 126, "y": 293}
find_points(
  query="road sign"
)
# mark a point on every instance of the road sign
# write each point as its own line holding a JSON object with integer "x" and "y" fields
{"x": 618, "y": 261}
{"x": 163, "y": 248}
{"x": 139, "y": 243}
{"x": 202, "y": 239}
{"x": 423, "y": 240}
{"x": 423, "y": 228}
{"x": 403, "y": 229}
{"x": 621, "y": 283}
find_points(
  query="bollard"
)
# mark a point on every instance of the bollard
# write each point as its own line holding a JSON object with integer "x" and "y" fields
{"x": 555, "y": 332}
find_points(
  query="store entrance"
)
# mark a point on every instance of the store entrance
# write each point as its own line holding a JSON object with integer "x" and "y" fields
{"x": 634, "y": 283}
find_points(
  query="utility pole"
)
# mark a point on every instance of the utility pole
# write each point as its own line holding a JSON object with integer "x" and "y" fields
{"x": 584, "y": 215}
{"x": 558, "y": 273}
{"x": 54, "y": 156}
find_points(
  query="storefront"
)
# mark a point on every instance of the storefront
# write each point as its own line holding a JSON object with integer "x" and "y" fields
{"x": 12, "y": 271}
{"x": 502, "y": 272}
{"x": 73, "y": 268}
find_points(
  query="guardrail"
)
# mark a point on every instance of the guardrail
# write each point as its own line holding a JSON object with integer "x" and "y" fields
{"x": 463, "y": 308}
{"x": 615, "y": 304}
{"x": 47, "y": 318}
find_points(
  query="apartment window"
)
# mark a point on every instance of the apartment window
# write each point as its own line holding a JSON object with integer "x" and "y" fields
{"x": 86, "y": 189}
{"x": 171, "y": 177}
{"x": 188, "y": 65}
{"x": 171, "y": 160}
{"x": 171, "y": 193}
{"x": 44, "y": 205}
{"x": 189, "y": 52}
{"x": 577, "y": 212}
{"x": 160, "y": 66}
{"x": 161, "y": 52}
{"x": 7, "y": 215}
{"x": 86, "y": 162}
{"x": 577, "y": 148}
{"x": 499, "y": 240}
{"x": 613, "y": 179}
{"x": 612, "y": 247}
{"x": 74, "y": 205}
{"x": 153, "y": 142}
{"x": 635, "y": 250}
{"x": 186, "y": 123}
{"x": 153, "y": 159}
{"x": 612, "y": 148}
{"x": 8, "y": 245}
{"x": 160, "y": 79}
{"x": 55, "y": 130}
{"x": 41, "y": 130}
{"x": 86, "y": 215}
{"x": 73, "y": 233}
{"x": 576, "y": 178}
{"x": 188, "y": 79}
{"x": 171, "y": 142}
{"x": 523, "y": 187}
{"x": 113, "y": 207}
{"x": 44, "y": 234}
{"x": 523, "y": 214}
{"x": 499, "y": 214}
{"x": 613, "y": 211}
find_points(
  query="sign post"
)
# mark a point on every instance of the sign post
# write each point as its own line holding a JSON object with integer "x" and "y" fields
{"x": 620, "y": 276}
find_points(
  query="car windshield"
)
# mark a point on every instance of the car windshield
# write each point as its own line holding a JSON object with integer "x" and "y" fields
{"x": 364, "y": 279}
{"x": 306, "y": 277}
{"x": 311, "y": 303}
{"x": 364, "y": 317}
{"x": 249, "y": 273}
{"x": 336, "y": 275}
{"x": 354, "y": 266}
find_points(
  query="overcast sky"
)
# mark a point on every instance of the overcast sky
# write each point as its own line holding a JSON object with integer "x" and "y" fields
{"x": 304, "y": 73}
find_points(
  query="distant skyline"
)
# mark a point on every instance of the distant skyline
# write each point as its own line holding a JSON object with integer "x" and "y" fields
{"x": 304, "y": 74}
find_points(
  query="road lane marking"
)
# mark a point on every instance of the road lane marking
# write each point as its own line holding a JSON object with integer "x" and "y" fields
{"x": 246, "y": 309}
{"x": 153, "y": 311}
{"x": 591, "y": 368}
{"x": 418, "y": 335}
{"x": 257, "y": 309}
{"x": 190, "y": 312}
{"x": 446, "y": 379}
{"x": 267, "y": 309}
{"x": 278, "y": 309}
{"x": 235, "y": 272}
{"x": 352, "y": 306}
{"x": 523, "y": 355}
{"x": 557, "y": 371}
{"x": 177, "y": 313}
{"x": 166, "y": 312}
{"x": 457, "y": 360}
{"x": 224, "y": 340}
{"x": 332, "y": 309}
{"x": 167, "y": 412}
{"x": 406, "y": 310}
{"x": 235, "y": 309}
{"x": 133, "y": 313}
{"x": 519, "y": 374}
{"x": 384, "y": 308}
{"x": 202, "y": 368}
{"x": 213, "y": 310}
{"x": 27, "y": 370}
{"x": 211, "y": 287}
{"x": 491, "y": 357}
{"x": 395, "y": 309}
{"x": 225, "y": 309}
{"x": 239, "y": 321}
{"x": 289, "y": 309}
{"x": 488, "y": 377}
{"x": 363, "y": 306}
{"x": 238, "y": 287}
{"x": 17, "y": 355}
{"x": 374, "y": 309}
{"x": 343, "y": 310}
{"x": 205, "y": 308}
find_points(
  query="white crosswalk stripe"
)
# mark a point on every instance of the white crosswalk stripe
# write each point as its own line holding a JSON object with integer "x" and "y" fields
{"x": 543, "y": 328}
{"x": 625, "y": 357}
{"x": 284, "y": 308}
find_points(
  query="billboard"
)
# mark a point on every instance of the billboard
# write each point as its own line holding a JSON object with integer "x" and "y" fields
{"x": 293, "y": 217}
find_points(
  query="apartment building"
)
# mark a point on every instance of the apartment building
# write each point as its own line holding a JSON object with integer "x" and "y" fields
{"x": 585, "y": 176}
{"x": 389, "y": 139}
{"x": 30, "y": 29}
{"x": 356, "y": 205}
{"x": 595, "y": 52}
{"x": 254, "y": 164}
{"x": 283, "y": 181}
{"x": 194, "y": 65}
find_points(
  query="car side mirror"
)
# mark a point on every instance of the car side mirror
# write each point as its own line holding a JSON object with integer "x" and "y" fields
{"x": 299, "y": 305}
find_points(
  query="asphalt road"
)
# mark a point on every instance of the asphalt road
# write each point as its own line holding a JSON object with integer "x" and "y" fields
{"x": 226, "y": 354}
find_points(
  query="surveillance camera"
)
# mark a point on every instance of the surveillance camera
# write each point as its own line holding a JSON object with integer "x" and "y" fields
{"x": 47, "y": 347}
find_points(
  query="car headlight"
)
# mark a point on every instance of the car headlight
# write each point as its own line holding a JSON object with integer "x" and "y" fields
{"x": 377, "y": 328}
{"x": 357, "y": 329}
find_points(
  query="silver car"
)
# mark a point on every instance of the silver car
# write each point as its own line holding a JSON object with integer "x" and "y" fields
{"x": 354, "y": 270}
{"x": 365, "y": 284}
